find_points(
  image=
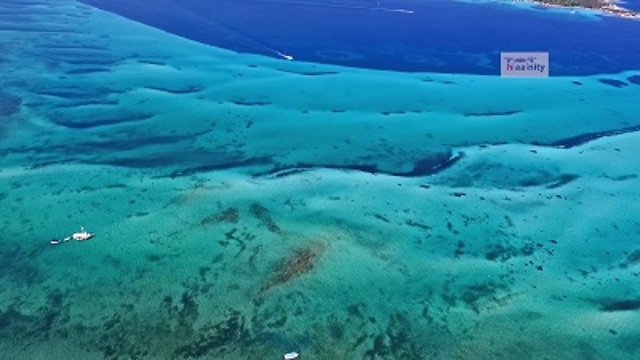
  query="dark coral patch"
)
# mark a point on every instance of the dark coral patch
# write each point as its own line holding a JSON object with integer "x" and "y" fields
{"x": 177, "y": 91}
{"x": 9, "y": 104}
{"x": 432, "y": 164}
{"x": 585, "y": 138}
{"x": 217, "y": 338}
{"x": 230, "y": 215}
{"x": 264, "y": 215}
{"x": 243, "y": 102}
{"x": 613, "y": 82}
{"x": 631, "y": 259}
{"x": 493, "y": 113}
{"x": 634, "y": 79}
{"x": 299, "y": 262}
{"x": 620, "y": 305}
{"x": 99, "y": 121}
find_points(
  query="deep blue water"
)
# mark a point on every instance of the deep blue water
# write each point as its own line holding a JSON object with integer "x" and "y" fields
{"x": 440, "y": 35}
{"x": 632, "y": 4}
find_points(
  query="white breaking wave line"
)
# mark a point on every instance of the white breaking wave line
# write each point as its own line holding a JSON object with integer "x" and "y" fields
{"x": 341, "y": 6}
{"x": 248, "y": 39}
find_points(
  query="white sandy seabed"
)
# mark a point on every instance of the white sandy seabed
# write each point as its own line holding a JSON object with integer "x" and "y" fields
{"x": 526, "y": 247}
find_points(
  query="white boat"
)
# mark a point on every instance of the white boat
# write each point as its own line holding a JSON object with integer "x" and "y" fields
{"x": 82, "y": 235}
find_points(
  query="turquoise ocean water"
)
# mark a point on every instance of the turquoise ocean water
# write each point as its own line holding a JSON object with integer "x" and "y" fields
{"x": 245, "y": 206}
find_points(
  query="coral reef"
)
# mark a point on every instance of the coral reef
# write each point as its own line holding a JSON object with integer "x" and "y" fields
{"x": 215, "y": 338}
{"x": 9, "y": 104}
{"x": 230, "y": 215}
{"x": 300, "y": 262}
{"x": 264, "y": 215}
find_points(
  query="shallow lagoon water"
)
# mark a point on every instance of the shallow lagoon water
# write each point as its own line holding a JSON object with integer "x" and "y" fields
{"x": 246, "y": 206}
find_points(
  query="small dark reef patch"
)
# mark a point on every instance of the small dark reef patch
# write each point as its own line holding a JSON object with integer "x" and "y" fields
{"x": 613, "y": 82}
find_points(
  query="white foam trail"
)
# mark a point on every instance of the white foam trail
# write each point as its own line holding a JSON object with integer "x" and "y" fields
{"x": 285, "y": 56}
{"x": 341, "y": 6}
{"x": 253, "y": 42}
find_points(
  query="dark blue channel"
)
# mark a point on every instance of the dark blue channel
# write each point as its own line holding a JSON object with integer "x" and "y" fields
{"x": 443, "y": 36}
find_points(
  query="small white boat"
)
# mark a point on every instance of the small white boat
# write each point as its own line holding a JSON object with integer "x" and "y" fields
{"x": 291, "y": 356}
{"x": 82, "y": 235}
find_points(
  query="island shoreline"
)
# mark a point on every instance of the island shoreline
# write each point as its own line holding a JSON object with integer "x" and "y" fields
{"x": 609, "y": 7}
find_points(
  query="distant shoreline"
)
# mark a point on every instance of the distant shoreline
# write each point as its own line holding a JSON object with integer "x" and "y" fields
{"x": 605, "y": 6}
